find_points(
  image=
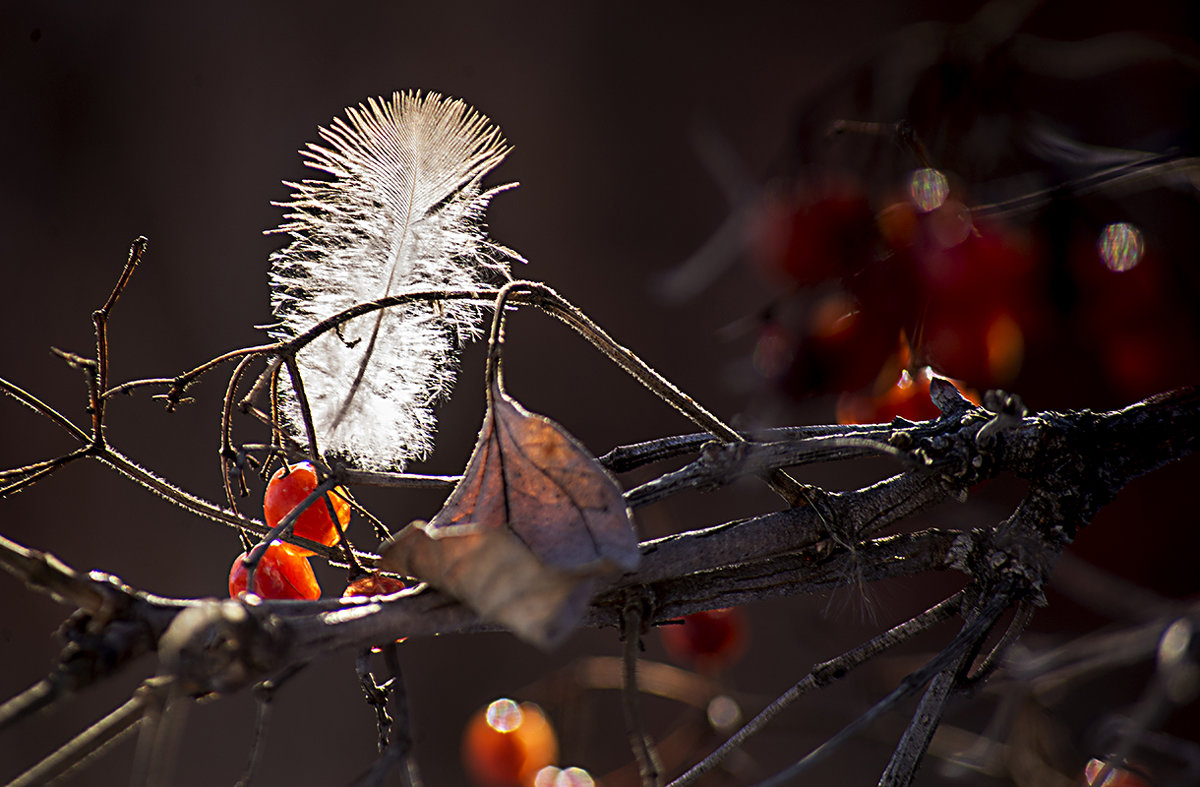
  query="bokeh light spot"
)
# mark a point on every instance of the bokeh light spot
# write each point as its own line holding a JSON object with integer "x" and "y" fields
{"x": 951, "y": 224}
{"x": 724, "y": 713}
{"x": 551, "y": 776}
{"x": 1120, "y": 246}
{"x": 928, "y": 189}
{"x": 504, "y": 715}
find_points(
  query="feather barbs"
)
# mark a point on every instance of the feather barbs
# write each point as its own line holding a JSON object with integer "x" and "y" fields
{"x": 419, "y": 148}
{"x": 402, "y": 211}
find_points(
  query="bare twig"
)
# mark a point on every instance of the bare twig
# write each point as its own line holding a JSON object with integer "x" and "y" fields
{"x": 258, "y": 741}
{"x": 759, "y": 557}
{"x": 551, "y": 302}
{"x": 226, "y": 451}
{"x": 93, "y": 740}
{"x": 629, "y": 457}
{"x": 100, "y": 321}
{"x": 967, "y": 640}
{"x": 40, "y": 407}
{"x": 395, "y": 735}
{"x": 822, "y": 675}
{"x": 649, "y": 769}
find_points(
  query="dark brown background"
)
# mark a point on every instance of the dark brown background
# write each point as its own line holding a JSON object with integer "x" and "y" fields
{"x": 179, "y": 122}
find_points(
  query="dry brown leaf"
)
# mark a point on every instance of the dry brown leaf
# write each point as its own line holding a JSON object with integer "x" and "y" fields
{"x": 533, "y": 522}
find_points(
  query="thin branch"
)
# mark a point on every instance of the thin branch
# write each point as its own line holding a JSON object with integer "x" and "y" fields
{"x": 31, "y": 474}
{"x": 1108, "y": 594}
{"x": 395, "y": 480}
{"x": 180, "y": 383}
{"x": 395, "y": 734}
{"x": 258, "y": 740}
{"x": 624, "y": 458}
{"x": 966, "y": 640}
{"x": 723, "y": 463}
{"x": 91, "y": 378}
{"x": 906, "y": 759}
{"x": 40, "y": 407}
{"x": 552, "y": 303}
{"x": 649, "y": 768}
{"x": 784, "y": 532}
{"x": 95, "y": 739}
{"x": 160, "y": 736}
{"x": 822, "y": 675}
{"x": 225, "y": 451}
{"x": 995, "y": 658}
{"x": 1084, "y": 657}
{"x": 1130, "y": 177}
{"x": 100, "y": 320}
{"x": 310, "y": 431}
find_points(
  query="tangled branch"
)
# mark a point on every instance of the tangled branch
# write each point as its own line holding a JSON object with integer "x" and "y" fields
{"x": 1073, "y": 463}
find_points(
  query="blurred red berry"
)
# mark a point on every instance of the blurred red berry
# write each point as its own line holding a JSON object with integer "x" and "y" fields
{"x": 506, "y": 744}
{"x": 710, "y": 640}
{"x": 983, "y": 302}
{"x": 814, "y": 235}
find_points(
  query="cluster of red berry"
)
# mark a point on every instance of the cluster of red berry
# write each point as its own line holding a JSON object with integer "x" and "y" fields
{"x": 926, "y": 283}
{"x": 284, "y": 570}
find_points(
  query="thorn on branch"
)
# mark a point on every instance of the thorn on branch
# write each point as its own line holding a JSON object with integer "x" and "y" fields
{"x": 948, "y": 399}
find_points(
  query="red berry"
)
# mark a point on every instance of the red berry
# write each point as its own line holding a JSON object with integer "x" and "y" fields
{"x": 374, "y": 585}
{"x": 281, "y": 574}
{"x": 288, "y": 488}
{"x": 506, "y": 744}
{"x": 1117, "y": 776}
{"x": 981, "y": 305}
{"x": 711, "y": 640}
{"x": 815, "y": 235}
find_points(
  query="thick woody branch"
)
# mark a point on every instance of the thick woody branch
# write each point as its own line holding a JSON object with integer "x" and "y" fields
{"x": 1075, "y": 461}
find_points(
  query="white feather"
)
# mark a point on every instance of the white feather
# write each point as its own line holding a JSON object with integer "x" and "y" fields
{"x": 402, "y": 212}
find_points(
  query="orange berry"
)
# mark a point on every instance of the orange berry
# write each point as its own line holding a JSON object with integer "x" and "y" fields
{"x": 506, "y": 744}
{"x": 280, "y": 574}
{"x": 375, "y": 584}
{"x": 1117, "y": 776}
{"x": 288, "y": 488}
